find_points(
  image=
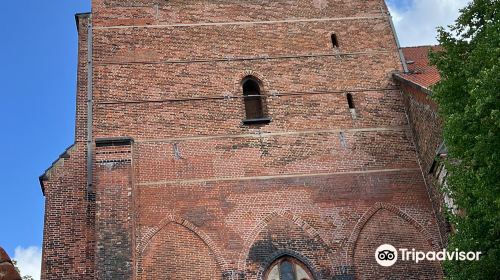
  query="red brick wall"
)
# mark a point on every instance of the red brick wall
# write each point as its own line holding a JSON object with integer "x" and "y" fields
{"x": 67, "y": 224}
{"x": 173, "y": 245}
{"x": 199, "y": 193}
{"x": 427, "y": 128}
{"x": 282, "y": 234}
{"x": 386, "y": 227}
{"x": 425, "y": 123}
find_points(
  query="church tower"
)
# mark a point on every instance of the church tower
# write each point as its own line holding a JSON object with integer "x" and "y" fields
{"x": 255, "y": 139}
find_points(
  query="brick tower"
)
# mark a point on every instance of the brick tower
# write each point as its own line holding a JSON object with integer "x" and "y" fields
{"x": 251, "y": 139}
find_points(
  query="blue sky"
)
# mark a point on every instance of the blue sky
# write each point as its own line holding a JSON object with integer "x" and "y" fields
{"x": 37, "y": 108}
{"x": 399, "y": 4}
{"x": 37, "y": 89}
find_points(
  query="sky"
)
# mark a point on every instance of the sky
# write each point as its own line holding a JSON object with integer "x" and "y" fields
{"x": 416, "y": 20}
{"x": 37, "y": 106}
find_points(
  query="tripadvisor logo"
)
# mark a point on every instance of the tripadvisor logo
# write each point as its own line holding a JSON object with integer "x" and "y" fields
{"x": 387, "y": 255}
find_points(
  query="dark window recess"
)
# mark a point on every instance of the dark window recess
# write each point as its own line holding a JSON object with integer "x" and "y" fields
{"x": 350, "y": 101}
{"x": 335, "y": 42}
{"x": 254, "y": 106}
{"x": 112, "y": 142}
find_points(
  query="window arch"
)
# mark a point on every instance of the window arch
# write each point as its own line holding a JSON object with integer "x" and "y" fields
{"x": 288, "y": 268}
{"x": 254, "y": 101}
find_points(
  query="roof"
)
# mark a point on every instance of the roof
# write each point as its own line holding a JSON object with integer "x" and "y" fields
{"x": 7, "y": 270}
{"x": 77, "y": 19}
{"x": 44, "y": 176}
{"x": 421, "y": 72}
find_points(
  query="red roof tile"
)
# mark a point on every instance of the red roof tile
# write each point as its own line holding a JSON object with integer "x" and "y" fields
{"x": 421, "y": 72}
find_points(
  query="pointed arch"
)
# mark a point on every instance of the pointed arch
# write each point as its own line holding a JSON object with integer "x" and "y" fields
{"x": 353, "y": 238}
{"x": 296, "y": 220}
{"x": 287, "y": 253}
{"x": 142, "y": 245}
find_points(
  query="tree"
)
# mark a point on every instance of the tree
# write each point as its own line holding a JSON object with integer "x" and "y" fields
{"x": 469, "y": 101}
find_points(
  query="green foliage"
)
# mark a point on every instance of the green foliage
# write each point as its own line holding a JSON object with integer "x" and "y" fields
{"x": 469, "y": 102}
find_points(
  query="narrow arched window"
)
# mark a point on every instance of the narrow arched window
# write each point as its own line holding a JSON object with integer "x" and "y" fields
{"x": 335, "y": 41}
{"x": 350, "y": 101}
{"x": 352, "y": 107}
{"x": 254, "y": 102}
{"x": 288, "y": 268}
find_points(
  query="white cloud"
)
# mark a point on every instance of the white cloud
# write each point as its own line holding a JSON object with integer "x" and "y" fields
{"x": 416, "y": 25}
{"x": 29, "y": 261}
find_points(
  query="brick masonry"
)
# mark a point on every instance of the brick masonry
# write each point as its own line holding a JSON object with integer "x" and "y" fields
{"x": 198, "y": 194}
{"x": 427, "y": 130}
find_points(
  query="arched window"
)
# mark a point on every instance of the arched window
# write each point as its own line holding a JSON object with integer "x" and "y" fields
{"x": 352, "y": 107}
{"x": 335, "y": 41}
{"x": 350, "y": 101}
{"x": 288, "y": 268}
{"x": 254, "y": 103}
